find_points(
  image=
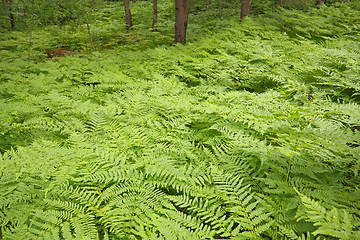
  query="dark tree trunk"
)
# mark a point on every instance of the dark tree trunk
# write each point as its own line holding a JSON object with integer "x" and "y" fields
{"x": 11, "y": 15}
{"x": 181, "y": 20}
{"x": 155, "y": 15}
{"x": 128, "y": 14}
{"x": 208, "y": 5}
{"x": 245, "y": 8}
{"x": 320, "y": 2}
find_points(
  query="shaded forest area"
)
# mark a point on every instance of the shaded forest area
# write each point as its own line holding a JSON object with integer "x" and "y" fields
{"x": 180, "y": 120}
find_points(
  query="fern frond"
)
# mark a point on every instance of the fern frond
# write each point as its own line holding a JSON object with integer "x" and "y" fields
{"x": 335, "y": 223}
{"x": 250, "y": 218}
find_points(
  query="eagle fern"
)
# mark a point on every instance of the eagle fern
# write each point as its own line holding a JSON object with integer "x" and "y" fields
{"x": 251, "y": 133}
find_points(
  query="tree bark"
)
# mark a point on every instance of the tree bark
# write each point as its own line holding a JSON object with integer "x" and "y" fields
{"x": 11, "y": 15}
{"x": 87, "y": 25}
{"x": 245, "y": 8}
{"x": 320, "y": 2}
{"x": 155, "y": 15}
{"x": 128, "y": 14}
{"x": 31, "y": 29}
{"x": 208, "y": 5}
{"x": 181, "y": 20}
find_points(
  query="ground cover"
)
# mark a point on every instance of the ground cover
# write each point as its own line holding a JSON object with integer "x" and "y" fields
{"x": 250, "y": 131}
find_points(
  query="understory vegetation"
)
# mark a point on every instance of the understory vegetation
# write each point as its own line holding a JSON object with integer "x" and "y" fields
{"x": 249, "y": 131}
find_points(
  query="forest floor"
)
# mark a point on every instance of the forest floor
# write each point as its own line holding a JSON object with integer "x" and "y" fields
{"x": 250, "y": 129}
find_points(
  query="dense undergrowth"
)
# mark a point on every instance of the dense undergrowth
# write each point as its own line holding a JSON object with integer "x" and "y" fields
{"x": 250, "y": 131}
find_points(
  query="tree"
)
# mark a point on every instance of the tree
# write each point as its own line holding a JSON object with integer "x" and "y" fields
{"x": 320, "y": 2}
{"x": 155, "y": 13}
{"x": 87, "y": 25}
{"x": 245, "y": 8}
{"x": 11, "y": 15}
{"x": 128, "y": 14}
{"x": 181, "y": 20}
{"x": 31, "y": 28}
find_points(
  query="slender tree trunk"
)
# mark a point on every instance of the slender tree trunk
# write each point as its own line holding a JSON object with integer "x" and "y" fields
{"x": 87, "y": 25}
{"x": 320, "y": 2}
{"x": 208, "y": 5}
{"x": 128, "y": 14}
{"x": 281, "y": 3}
{"x": 155, "y": 15}
{"x": 11, "y": 15}
{"x": 181, "y": 20}
{"x": 245, "y": 8}
{"x": 31, "y": 29}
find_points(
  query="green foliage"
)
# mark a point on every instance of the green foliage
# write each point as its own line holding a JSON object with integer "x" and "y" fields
{"x": 338, "y": 224}
{"x": 46, "y": 12}
{"x": 250, "y": 132}
{"x": 300, "y": 4}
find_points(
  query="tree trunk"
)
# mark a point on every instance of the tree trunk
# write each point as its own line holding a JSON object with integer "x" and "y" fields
{"x": 155, "y": 15}
{"x": 208, "y": 5}
{"x": 11, "y": 15}
{"x": 320, "y": 2}
{"x": 128, "y": 14}
{"x": 181, "y": 19}
{"x": 245, "y": 8}
{"x": 87, "y": 25}
{"x": 31, "y": 29}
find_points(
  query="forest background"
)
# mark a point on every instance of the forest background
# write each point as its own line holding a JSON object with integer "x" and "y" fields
{"x": 112, "y": 130}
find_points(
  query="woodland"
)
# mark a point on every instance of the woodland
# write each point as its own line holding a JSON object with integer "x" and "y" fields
{"x": 167, "y": 119}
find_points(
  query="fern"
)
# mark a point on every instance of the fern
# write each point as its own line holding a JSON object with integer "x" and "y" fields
{"x": 337, "y": 223}
{"x": 249, "y": 218}
{"x": 203, "y": 141}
